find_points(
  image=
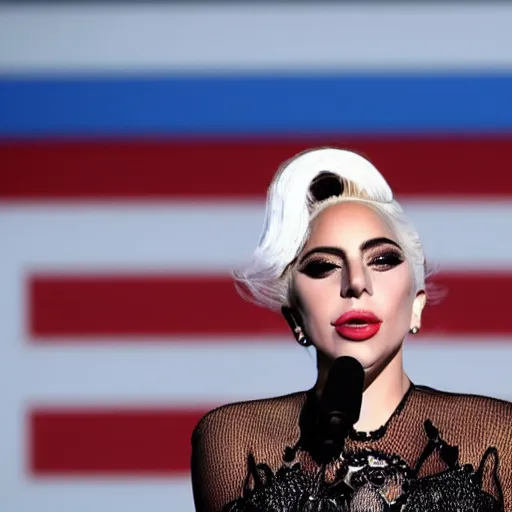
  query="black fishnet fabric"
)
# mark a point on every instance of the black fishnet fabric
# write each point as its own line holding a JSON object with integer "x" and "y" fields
{"x": 438, "y": 452}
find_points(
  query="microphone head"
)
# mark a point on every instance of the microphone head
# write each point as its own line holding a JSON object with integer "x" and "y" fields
{"x": 343, "y": 391}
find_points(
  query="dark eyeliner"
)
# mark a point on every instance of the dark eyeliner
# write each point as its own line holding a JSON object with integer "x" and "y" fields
{"x": 318, "y": 268}
{"x": 387, "y": 258}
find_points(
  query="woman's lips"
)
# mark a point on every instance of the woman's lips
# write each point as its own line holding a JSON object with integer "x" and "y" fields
{"x": 357, "y": 325}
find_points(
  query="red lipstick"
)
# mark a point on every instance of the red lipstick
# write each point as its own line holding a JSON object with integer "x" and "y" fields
{"x": 357, "y": 325}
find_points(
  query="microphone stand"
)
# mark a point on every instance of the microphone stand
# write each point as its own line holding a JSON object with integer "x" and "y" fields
{"x": 333, "y": 432}
{"x": 338, "y": 409}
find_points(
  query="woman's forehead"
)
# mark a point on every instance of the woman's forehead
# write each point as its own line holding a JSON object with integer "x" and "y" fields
{"x": 349, "y": 221}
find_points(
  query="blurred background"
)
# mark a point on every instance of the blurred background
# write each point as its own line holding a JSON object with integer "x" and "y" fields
{"x": 137, "y": 140}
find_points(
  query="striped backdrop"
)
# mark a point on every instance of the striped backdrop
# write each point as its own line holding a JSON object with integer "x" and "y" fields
{"x": 136, "y": 144}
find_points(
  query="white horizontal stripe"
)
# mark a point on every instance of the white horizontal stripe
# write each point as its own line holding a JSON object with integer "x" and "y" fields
{"x": 470, "y": 365}
{"x": 189, "y": 374}
{"x": 222, "y": 37}
{"x": 130, "y": 495}
{"x": 219, "y": 237}
{"x": 209, "y": 374}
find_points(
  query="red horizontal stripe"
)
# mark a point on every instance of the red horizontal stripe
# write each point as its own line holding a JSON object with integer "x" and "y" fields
{"x": 68, "y": 441}
{"x": 73, "y": 307}
{"x": 143, "y": 305}
{"x": 163, "y": 169}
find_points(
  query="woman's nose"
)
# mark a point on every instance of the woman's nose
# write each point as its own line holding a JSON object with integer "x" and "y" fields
{"x": 355, "y": 281}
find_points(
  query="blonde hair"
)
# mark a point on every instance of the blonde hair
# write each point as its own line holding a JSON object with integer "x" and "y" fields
{"x": 304, "y": 186}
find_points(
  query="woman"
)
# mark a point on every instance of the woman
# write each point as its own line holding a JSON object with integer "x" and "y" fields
{"x": 346, "y": 267}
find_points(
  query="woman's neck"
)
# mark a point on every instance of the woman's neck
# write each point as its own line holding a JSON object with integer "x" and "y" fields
{"x": 382, "y": 395}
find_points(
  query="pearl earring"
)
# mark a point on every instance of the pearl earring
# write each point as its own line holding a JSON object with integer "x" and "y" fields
{"x": 302, "y": 338}
{"x": 414, "y": 330}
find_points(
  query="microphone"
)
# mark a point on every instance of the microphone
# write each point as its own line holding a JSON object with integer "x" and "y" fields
{"x": 340, "y": 404}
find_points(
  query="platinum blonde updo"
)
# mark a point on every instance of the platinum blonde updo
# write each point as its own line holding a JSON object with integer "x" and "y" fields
{"x": 302, "y": 187}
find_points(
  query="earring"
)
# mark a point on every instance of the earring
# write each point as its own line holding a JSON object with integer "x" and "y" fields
{"x": 297, "y": 330}
{"x": 415, "y": 330}
{"x": 301, "y": 337}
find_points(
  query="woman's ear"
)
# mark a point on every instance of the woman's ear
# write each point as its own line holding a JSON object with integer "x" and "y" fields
{"x": 417, "y": 310}
{"x": 294, "y": 321}
{"x": 290, "y": 315}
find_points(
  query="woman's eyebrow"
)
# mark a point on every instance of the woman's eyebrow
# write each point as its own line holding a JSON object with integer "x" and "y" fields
{"x": 377, "y": 241}
{"x": 336, "y": 251}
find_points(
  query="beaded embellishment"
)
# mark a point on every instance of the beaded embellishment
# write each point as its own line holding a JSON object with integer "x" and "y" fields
{"x": 372, "y": 481}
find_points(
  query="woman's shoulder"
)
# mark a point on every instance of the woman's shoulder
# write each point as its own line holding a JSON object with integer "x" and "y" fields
{"x": 262, "y": 415}
{"x": 464, "y": 400}
{"x": 482, "y": 415}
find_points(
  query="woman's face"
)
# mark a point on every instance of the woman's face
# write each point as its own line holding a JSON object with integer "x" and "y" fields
{"x": 352, "y": 265}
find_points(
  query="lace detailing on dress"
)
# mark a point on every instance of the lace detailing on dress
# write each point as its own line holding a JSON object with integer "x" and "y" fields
{"x": 370, "y": 481}
{"x": 438, "y": 452}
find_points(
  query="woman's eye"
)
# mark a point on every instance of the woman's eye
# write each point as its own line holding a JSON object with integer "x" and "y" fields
{"x": 318, "y": 269}
{"x": 387, "y": 261}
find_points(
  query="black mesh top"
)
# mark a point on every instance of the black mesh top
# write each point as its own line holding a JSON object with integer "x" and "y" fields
{"x": 437, "y": 452}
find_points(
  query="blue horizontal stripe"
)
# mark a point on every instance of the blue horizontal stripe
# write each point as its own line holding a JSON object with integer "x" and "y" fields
{"x": 252, "y": 105}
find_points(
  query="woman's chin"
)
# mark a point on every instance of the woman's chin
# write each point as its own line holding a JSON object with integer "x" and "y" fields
{"x": 363, "y": 352}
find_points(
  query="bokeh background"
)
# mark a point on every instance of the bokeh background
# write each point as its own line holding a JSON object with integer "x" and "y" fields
{"x": 137, "y": 140}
